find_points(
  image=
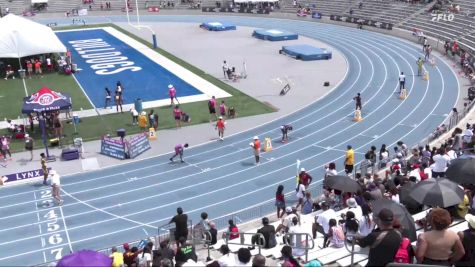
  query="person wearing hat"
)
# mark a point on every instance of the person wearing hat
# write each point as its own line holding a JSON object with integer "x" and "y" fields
{"x": 256, "y": 145}
{"x": 268, "y": 231}
{"x": 29, "y": 144}
{"x": 181, "y": 225}
{"x": 467, "y": 237}
{"x": 56, "y": 186}
{"x": 384, "y": 242}
{"x": 354, "y": 207}
{"x": 143, "y": 120}
{"x": 285, "y": 223}
{"x": 220, "y": 126}
{"x": 9, "y": 72}
{"x": 172, "y": 94}
{"x": 305, "y": 178}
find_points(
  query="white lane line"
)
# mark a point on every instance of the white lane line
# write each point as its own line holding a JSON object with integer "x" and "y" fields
{"x": 344, "y": 93}
{"x": 419, "y": 103}
{"x": 328, "y": 148}
{"x": 66, "y": 230}
{"x": 328, "y": 137}
{"x": 214, "y": 158}
{"x": 235, "y": 172}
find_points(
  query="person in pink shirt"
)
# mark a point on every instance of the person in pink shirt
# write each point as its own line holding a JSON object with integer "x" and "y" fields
{"x": 179, "y": 151}
{"x": 172, "y": 93}
{"x": 222, "y": 109}
{"x": 212, "y": 109}
{"x": 177, "y": 116}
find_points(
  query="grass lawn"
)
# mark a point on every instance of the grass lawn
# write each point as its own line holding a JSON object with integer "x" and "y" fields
{"x": 92, "y": 128}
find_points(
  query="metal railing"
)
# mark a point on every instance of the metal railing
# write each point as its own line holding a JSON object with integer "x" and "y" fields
{"x": 260, "y": 240}
{"x": 298, "y": 243}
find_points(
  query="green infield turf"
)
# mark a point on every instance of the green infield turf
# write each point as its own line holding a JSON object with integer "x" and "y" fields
{"x": 93, "y": 128}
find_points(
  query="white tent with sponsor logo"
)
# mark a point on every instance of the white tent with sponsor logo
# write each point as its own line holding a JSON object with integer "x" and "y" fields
{"x": 20, "y": 37}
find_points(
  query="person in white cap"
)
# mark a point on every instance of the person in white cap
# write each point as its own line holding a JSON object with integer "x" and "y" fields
{"x": 56, "y": 186}
{"x": 305, "y": 178}
{"x": 29, "y": 144}
{"x": 256, "y": 145}
{"x": 172, "y": 93}
{"x": 220, "y": 126}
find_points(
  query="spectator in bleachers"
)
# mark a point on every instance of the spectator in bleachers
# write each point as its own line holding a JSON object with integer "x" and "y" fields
{"x": 350, "y": 225}
{"x": 181, "y": 224}
{"x": 244, "y": 257}
{"x": 366, "y": 224}
{"x": 280, "y": 201}
{"x": 441, "y": 161}
{"x": 336, "y": 237}
{"x": 117, "y": 258}
{"x": 144, "y": 259}
{"x": 447, "y": 47}
{"x": 383, "y": 156}
{"x": 440, "y": 246}
{"x": 289, "y": 260}
{"x": 354, "y": 207}
{"x": 467, "y": 238}
{"x": 185, "y": 252}
{"x": 292, "y": 239}
{"x": 321, "y": 224}
{"x": 130, "y": 255}
{"x": 214, "y": 233}
{"x": 268, "y": 231}
{"x": 259, "y": 261}
{"x": 284, "y": 226}
{"x": 164, "y": 252}
{"x": 228, "y": 259}
{"x": 307, "y": 206}
{"x": 300, "y": 193}
{"x": 383, "y": 242}
{"x": 233, "y": 231}
{"x": 464, "y": 206}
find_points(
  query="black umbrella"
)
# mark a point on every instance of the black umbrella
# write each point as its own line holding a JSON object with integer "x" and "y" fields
{"x": 342, "y": 183}
{"x": 412, "y": 206}
{"x": 437, "y": 193}
{"x": 400, "y": 213}
{"x": 462, "y": 171}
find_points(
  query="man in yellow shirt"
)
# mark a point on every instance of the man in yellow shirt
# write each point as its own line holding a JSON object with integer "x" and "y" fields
{"x": 349, "y": 160}
{"x": 117, "y": 258}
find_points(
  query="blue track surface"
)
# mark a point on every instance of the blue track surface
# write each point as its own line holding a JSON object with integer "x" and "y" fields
{"x": 118, "y": 204}
{"x": 140, "y": 76}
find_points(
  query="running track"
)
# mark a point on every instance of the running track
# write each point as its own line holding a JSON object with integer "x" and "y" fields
{"x": 118, "y": 204}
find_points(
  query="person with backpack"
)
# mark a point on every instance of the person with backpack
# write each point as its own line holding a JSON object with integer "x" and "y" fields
{"x": 384, "y": 242}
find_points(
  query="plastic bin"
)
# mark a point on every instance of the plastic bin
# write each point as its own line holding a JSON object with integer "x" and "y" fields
{"x": 138, "y": 105}
{"x": 22, "y": 73}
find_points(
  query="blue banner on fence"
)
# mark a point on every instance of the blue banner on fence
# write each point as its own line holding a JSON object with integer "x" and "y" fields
{"x": 19, "y": 176}
{"x": 113, "y": 148}
{"x": 138, "y": 144}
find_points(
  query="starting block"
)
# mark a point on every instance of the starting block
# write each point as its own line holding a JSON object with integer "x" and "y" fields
{"x": 403, "y": 94}
{"x": 425, "y": 77}
{"x": 267, "y": 144}
{"x": 357, "y": 117}
{"x": 151, "y": 134}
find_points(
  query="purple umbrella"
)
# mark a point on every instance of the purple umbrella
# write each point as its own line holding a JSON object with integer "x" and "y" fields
{"x": 85, "y": 258}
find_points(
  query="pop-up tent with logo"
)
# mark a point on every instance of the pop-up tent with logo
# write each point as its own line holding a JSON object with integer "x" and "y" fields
{"x": 46, "y": 100}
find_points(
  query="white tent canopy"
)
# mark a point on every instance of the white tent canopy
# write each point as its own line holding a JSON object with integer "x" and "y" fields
{"x": 20, "y": 37}
{"x": 254, "y": 1}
